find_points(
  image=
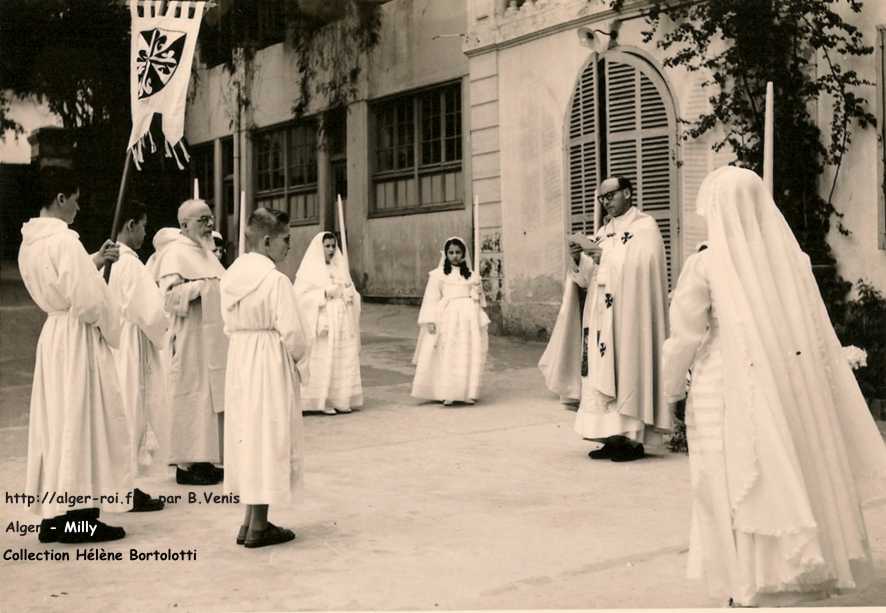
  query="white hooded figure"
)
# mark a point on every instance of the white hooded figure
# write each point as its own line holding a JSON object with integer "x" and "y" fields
{"x": 453, "y": 339}
{"x": 264, "y": 433}
{"x": 78, "y": 436}
{"x": 783, "y": 449}
{"x": 330, "y": 306}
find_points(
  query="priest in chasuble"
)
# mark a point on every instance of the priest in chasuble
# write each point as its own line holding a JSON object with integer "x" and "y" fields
{"x": 607, "y": 354}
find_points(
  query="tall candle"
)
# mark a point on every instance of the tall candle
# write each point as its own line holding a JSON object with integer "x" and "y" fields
{"x": 477, "y": 233}
{"x": 768, "y": 132}
{"x": 242, "y": 237}
{"x": 196, "y": 188}
{"x": 341, "y": 227}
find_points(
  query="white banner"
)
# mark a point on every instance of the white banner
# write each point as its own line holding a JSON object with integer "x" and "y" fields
{"x": 161, "y": 55}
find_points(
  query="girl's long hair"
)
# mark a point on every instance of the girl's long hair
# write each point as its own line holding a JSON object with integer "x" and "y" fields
{"x": 463, "y": 265}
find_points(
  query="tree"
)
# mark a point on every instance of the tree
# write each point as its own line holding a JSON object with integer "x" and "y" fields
{"x": 740, "y": 45}
{"x": 73, "y": 55}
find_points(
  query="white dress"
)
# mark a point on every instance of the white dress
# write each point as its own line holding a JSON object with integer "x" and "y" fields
{"x": 264, "y": 432}
{"x": 335, "y": 355}
{"x": 449, "y": 364}
{"x": 753, "y": 569}
{"x": 333, "y": 329}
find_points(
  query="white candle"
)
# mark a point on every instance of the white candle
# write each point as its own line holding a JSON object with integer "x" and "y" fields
{"x": 477, "y": 233}
{"x": 341, "y": 227}
{"x": 768, "y": 133}
{"x": 242, "y": 237}
{"x": 196, "y": 188}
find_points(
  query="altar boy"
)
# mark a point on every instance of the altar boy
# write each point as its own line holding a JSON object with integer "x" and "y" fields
{"x": 263, "y": 430}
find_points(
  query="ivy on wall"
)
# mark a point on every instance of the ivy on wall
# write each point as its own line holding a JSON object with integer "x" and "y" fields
{"x": 802, "y": 47}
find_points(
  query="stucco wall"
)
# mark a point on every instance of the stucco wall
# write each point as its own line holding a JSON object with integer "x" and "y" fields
{"x": 858, "y": 193}
{"x": 420, "y": 45}
{"x": 536, "y": 79}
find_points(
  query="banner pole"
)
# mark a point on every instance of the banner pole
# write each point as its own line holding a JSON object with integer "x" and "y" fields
{"x": 121, "y": 192}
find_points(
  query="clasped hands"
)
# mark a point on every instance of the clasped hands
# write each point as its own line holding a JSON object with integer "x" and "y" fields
{"x": 594, "y": 252}
{"x": 340, "y": 291}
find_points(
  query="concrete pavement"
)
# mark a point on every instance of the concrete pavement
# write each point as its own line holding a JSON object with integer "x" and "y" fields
{"x": 406, "y": 506}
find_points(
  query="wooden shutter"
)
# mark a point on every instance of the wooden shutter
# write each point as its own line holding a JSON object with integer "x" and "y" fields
{"x": 640, "y": 130}
{"x": 583, "y": 152}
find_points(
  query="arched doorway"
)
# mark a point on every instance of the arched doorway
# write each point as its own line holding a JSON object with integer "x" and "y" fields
{"x": 622, "y": 122}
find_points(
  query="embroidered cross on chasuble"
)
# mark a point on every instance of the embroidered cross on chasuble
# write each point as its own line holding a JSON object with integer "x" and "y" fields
{"x": 161, "y": 54}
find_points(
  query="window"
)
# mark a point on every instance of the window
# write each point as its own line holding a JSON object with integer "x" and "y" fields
{"x": 286, "y": 171}
{"x": 418, "y": 152}
{"x": 621, "y": 123}
{"x": 202, "y": 169}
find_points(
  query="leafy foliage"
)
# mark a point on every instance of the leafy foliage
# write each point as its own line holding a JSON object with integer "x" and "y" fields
{"x": 865, "y": 326}
{"x": 73, "y": 55}
{"x": 330, "y": 53}
{"x": 801, "y": 46}
{"x": 739, "y": 45}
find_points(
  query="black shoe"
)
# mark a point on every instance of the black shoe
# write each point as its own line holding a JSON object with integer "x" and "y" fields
{"x": 50, "y": 529}
{"x": 209, "y": 470}
{"x": 272, "y": 535}
{"x": 603, "y": 453}
{"x": 143, "y": 503}
{"x": 628, "y": 453}
{"x": 241, "y": 535}
{"x": 194, "y": 477}
{"x": 102, "y": 533}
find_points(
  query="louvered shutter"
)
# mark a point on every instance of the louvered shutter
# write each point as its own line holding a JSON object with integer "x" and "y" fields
{"x": 584, "y": 167}
{"x": 639, "y": 144}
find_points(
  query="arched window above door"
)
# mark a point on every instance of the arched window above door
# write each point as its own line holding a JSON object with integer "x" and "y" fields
{"x": 622, "y": 122}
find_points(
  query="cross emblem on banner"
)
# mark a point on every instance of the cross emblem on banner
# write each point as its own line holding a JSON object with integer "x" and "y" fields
{"x": 159, "y": 54}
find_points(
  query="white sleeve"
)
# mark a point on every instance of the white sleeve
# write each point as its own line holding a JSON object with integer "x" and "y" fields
{"x": 689, "y": 320}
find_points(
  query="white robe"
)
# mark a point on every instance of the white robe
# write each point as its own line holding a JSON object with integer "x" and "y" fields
{"x": 189, "y": 276}
{"x": 783, "y": 448}
{"x": 333, "y": 330}
{"x": 264, "y": 433}
{"x": 78, "y": 435}
{"x": 735, "y": 563}
{"x": 449, "y": 364}
{"x": 624, "y": 328}
{"x": 142, "y": 337}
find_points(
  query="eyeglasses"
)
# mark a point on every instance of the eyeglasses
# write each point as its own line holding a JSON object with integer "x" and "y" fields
{"x": 607, "y": 197}
{"x": 204, "y": 220}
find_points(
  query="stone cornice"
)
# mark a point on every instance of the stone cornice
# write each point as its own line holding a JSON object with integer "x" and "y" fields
{"x": 540, "y": 18}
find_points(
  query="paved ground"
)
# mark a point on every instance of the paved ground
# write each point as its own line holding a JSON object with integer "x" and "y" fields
{"x": 406, "y": 506}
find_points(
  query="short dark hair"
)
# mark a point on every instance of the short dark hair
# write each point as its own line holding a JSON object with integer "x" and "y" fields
{"x": 327, "y": 236}
{"x": 624, "y": 183}
{"x": 266, "y": 222}
{"x": 52, "y": 181}
{"x": 134, "y": 210}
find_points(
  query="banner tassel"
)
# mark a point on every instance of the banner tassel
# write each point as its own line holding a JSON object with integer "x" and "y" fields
{"x": 170, "y": 153}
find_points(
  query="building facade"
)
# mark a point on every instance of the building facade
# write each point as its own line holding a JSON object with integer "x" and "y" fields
{"x": 398, "y": 155}
{"x": 566, "y": 92}
{"x": 525, "y": 105}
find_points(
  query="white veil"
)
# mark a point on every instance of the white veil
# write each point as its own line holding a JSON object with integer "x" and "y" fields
{"x": 313, "y": 272}
{"x": 467, "y": 256}
{"x": 797, "y": 429}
